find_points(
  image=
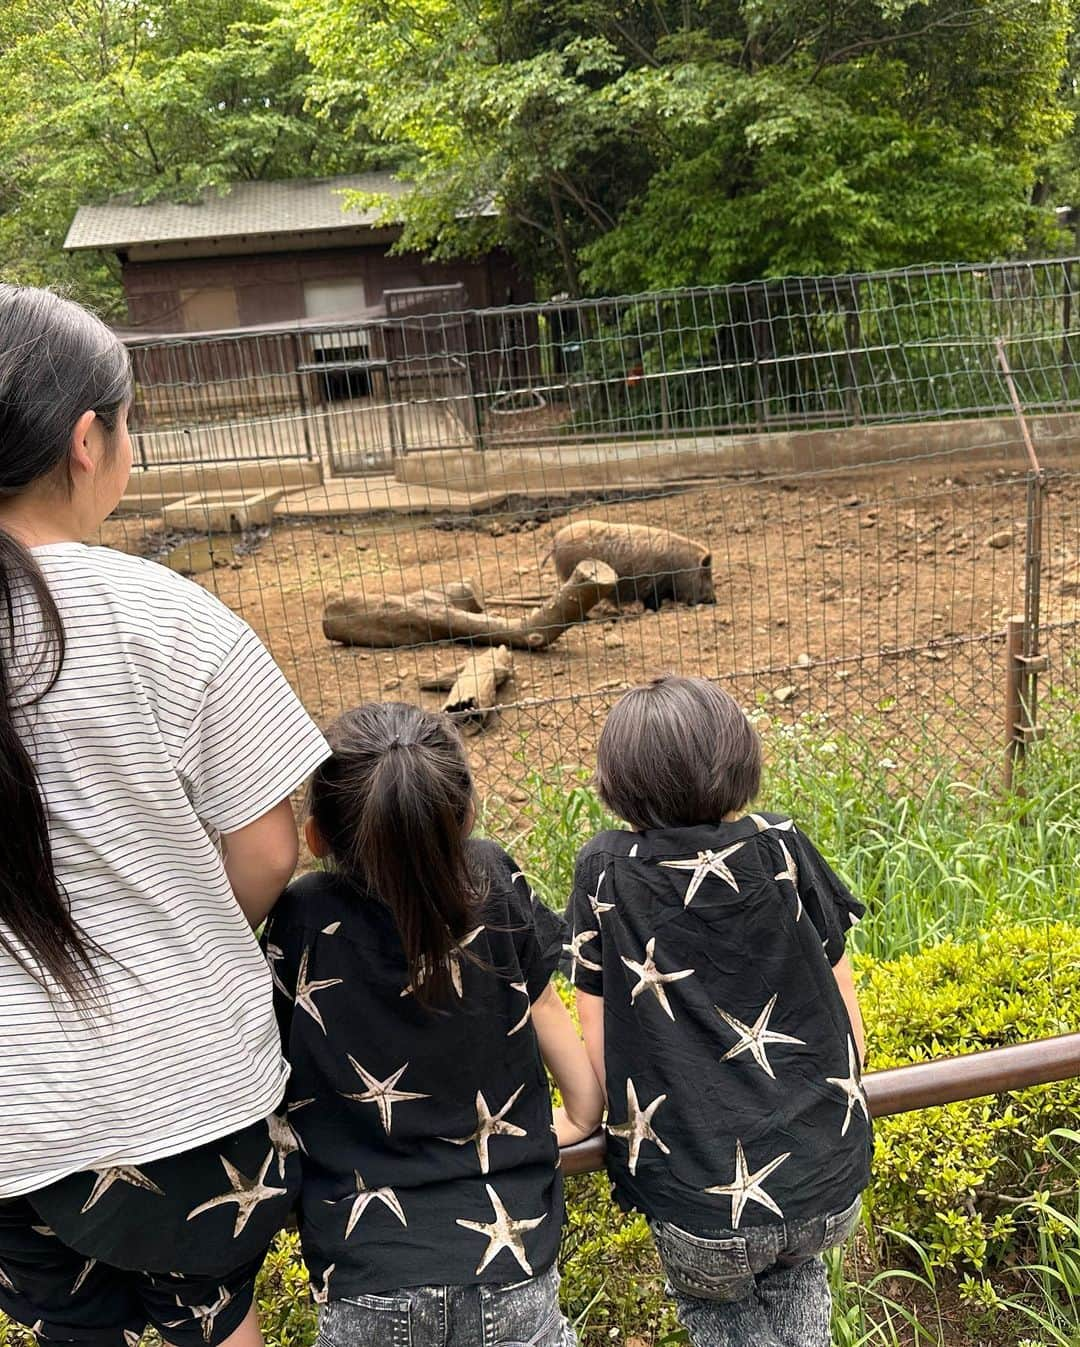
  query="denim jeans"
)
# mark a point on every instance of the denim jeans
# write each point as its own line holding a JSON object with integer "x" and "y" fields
{"x": 764, "y": 1286}
{"x": 519, "y": 1314}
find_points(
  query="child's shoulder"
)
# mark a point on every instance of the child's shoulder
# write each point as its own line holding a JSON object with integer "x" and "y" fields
{"x": 492, "y": 859}
{"x": 312, "y": 901}
{"x": 610, "y": 843}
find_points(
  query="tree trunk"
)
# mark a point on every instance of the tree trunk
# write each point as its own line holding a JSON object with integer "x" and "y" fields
{"x": 428, "y": 616}
{"x": 472, "y": 697}
{"x": 588, "y": 583}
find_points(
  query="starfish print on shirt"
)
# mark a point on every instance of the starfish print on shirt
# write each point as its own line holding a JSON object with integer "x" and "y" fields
{"x": 503, "y": 1233}
{"x": 132, "y": 1338}
{"x": 292, "y": 1108}
{"x": 332, "y": 929}
{"x": 704, "y": 864}
{"x": 118, "y": 1174}
{"x": 6, "y": 1282}
{"x": 852, "y": 1087}
{"x": 576, "y": 957}
{"x": 746, "y": 1187}
{"x": 364, "y": 1197}
{"x": 650, "y": 979}
{"x": 453, "y": 960}
{"x": 206, "y": 1314}
{"x": 382, "y": 1093}
{"x": 756, "y": 1037}
{"x": 274, "y": 955}
{"x": 246, "y": 1193}
{"x": 638, "y": 1126}
{"x": 87, "y": 1268}
{"x": 321, "y": 1294}
{"x": 524, "y": 990}
{"x": 763, "y": 825}
{"x": 283, "y": 1139}
{"x": 305, "y": 990}
{"x": 597, "y": 906}
{"x": 790, "y": 872}
{"x": 489, "y": 1125}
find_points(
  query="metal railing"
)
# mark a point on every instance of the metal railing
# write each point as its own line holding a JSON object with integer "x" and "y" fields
{"x": 905, "y": 1089}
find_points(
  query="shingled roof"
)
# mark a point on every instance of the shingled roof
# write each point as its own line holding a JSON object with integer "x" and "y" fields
{"x": 246, "y": 209}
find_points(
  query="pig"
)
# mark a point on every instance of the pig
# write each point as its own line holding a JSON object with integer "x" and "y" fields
{"x": 652, "y": 564}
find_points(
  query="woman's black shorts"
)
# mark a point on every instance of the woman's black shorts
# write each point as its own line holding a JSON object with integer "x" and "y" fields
{"x": 175, "y": 1243}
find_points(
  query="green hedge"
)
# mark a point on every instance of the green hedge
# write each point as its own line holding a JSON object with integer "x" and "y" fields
{"x": 950, "y": 1177}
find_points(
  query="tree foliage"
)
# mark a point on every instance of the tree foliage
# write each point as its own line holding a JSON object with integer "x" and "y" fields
{"x": 626, "y": 144}
{"x": 638, "y": 145}
{"x": 147, "y": 97}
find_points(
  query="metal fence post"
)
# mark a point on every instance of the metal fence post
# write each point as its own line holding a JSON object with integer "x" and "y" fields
{"x": 1014, "y": 740}
{"x": 297, "y": 362}
{"x": 1024, "y": 662}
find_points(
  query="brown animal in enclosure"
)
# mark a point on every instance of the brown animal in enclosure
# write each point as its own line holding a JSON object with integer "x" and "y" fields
{"x": 652, "y": 564}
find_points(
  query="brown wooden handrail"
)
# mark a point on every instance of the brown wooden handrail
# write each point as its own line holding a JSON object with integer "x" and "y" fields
{"x": 903, "y": 1089}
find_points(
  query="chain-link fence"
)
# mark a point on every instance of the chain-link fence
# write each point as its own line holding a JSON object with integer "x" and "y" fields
{"x": 845, "y": 451}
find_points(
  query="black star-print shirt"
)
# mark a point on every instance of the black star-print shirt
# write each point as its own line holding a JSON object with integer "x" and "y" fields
{"x": 724, "y": 1028}
{"x": 384, "y": 1096}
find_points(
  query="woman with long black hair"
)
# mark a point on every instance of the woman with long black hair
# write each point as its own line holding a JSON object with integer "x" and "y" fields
{"x": 148, "y": 747}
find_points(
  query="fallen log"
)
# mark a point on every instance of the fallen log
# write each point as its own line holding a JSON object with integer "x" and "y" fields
{"x": 461, "y": 594}
{"x": 472, "y": 698}
{"x": 438, "y": 682}
{"x": 588, "y": 583}
{"x": 429, "y": 616}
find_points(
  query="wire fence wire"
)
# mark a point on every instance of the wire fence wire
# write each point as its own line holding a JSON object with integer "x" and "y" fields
{"x": 845, "y": 449}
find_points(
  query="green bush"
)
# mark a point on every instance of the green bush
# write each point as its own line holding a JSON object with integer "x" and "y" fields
{"x": 956, "y": 1179}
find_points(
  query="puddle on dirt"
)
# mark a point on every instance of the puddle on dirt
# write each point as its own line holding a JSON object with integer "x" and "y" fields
{"x": 198, "y": 555}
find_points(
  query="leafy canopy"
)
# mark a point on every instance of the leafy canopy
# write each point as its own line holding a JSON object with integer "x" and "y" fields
{"x": 641, "y": 145}
{"x": 150, "y": 97}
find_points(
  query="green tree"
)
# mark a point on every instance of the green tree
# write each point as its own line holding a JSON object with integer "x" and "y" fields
{"x": 632, "y": 145}
{"x": 147, "y": 97}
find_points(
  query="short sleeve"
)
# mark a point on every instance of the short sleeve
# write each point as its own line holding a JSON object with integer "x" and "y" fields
{"x": 538, "y": 933}
{"x": 583, "y": 912}
{"x": 826, "y": 899}
{"x": 251, "y": 742}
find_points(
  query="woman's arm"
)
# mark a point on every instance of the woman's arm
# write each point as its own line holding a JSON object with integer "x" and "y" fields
{"x": 591, "y": 1014}
{"x": 564, "y": 1056}
{"x": 846, "y": 982}
{"x": 260, "y": 859}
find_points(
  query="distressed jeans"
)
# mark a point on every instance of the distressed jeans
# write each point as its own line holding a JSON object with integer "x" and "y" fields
{"x": 520, "y": 1314}
{"x": 764, "y": 1286}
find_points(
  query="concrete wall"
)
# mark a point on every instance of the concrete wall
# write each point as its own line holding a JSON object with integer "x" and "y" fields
{"x": 779, "y": 453}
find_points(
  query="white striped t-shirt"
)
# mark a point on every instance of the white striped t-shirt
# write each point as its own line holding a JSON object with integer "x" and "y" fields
{"x": 169, "y": 722}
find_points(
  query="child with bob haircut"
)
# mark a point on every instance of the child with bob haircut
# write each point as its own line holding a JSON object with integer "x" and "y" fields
{"x": 414, "y": 994}
{"x": 717, "y": 1003}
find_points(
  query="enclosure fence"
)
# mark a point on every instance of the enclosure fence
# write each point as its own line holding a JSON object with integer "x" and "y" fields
{"x": 881, "y": 469}
{"x": 918, "y": 344}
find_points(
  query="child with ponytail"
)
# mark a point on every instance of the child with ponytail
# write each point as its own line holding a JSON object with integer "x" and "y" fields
{"x": 413, "y": 985}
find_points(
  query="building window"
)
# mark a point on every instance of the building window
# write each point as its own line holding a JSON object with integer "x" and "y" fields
{"x": 211, "y": 308}
{"x": 334, "y": 299}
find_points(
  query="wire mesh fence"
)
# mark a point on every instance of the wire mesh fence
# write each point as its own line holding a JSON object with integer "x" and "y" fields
{"x": 843, "y": 450}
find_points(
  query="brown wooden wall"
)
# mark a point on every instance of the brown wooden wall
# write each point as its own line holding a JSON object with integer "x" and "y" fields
{"x": 269, "y": 287}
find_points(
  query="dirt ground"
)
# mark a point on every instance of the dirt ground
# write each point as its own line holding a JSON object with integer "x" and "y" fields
{"x": 875, "y": 599}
